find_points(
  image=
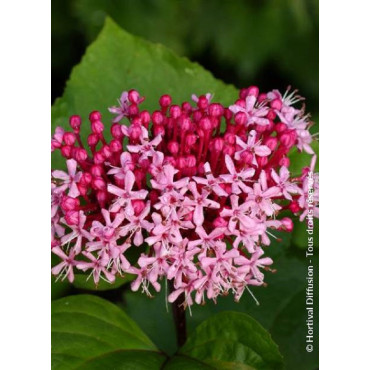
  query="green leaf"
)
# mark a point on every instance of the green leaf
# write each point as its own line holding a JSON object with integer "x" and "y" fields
{"x": 118, "y": 61}
{"x": 81, "y": 282}
{"x": 299, "y": 160}
{"x": 233, "y": 340}
{"x": 88, "y": 331}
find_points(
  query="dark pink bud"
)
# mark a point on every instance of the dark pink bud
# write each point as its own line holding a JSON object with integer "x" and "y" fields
{"x": 95, "y": 116}
{"x": 96, "y": 170}
{"x": 200, "y": 169}
{"x": 229, "y": 150}
{"x": 218, "y": 144}
{"x": 197, "y": 115}
{"x": 215, "y": 110}
{"x": 175, "y": 111}
{"x": 165, "y": 101}
{"x": 228, "y": 114}
{"x": 102, "y": 197}
{"x": 294, "y": 206}
{"x": 280, "y": 127}
{"x": 205, "y": 124}
{"x": 97, "y": 127}
{"x": 81, "y": 155}
{"x": 116, "y": 131}
{"x": 243, "y": 93}
{"x": 261, "y": 97}
{"x": 157, "y": 117}
{"x": 230, "y": 138}
{"x": 82, "y": 189}
{"x": 115, "y": 146}
{"x": 133, "y": 110}
{"x": 92, "y": 140}
{"x": 190, "y": 140}
{"x": 285, "y": 161}
{"x": 287, "y": 224}
{"x": 99, "y": 157}
{"x": 181, "y": 163}
{"x": 69, "y": 203}
{"x": 145, "y": 117}
{"x": 173, "y": 147}
{"x": 86, "y": 178}
{"x": 106, "y": 151}
{"x": 288, "y": 138}
{"x": 185, "y": 123}
{"x": 134, "y": 97}
{"x": 158, "y": 130}
{"x": 191, "y": 161}
{"x": 72, "y": 217}
{"x": 202, "y": 102}
{"x": 69, "y": 138}
{"x": 66, "y": 151}
{"x": 271, "y": 115}
{"x": 135, "y": 131}
{"x": 75, "y": 123}
{"x": 139, "y": 175}
{"x": 138, "y": 206}
{"x": 271, "y": 142}
{"x": 186, "y": 107}
{"x": 253, "y": 90}
{"x": 240, "y": 118}
{"x": 276, "y": 104}
{"x": 98, "y": 183}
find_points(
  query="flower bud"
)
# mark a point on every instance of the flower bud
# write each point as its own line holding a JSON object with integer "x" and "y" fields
{"x": 228, "y": 114}
{"x": 102, "y": 197}
{"x": 280, "y": 127}
{"x": 133, "y": 110}
{"x": 271, "y": 142}
{"x": 96, "y": 170}
{"x": 106, "y": 151}
{"x": 86, "y": 178}
{"x": 80, "y": 155}
{"x": 285, "y": 161}
{"x": 165, "y": 101}
{"x": 134, "y": 97}
{"x": 202, "y": 102}
{"x": 158, "y": 130}
{"x": 173, "y": 147}
{"x": 69, "y": 203}
{"x": 205, "y": 124}
{"x": 95, "y": 116}
{"x": 69, "y": 138}
{"x": 98, "y": 183}
{"x": 135, "y": 132}
{"x": 97, "y": 127}
{"x": 75, "y": 123}
{"x": 115, "y": 146}
{"x": 145, "y": 117}
{"x": 215, "y": 110}
{"x": 262, "y": 161}
{"x": 66, "y": 151}
{"x": 175, "y": 111}
{"x": 240, "y": 118}
{"x": 218, "y": 144}
{"x": 99, "y": 157}
{"x": 294, "y": 206}
{"x": 72, "y": 217}
{"x": 276, "y": 104}
{"x": 92, "y": 140}
{"x": 157, "y": 118}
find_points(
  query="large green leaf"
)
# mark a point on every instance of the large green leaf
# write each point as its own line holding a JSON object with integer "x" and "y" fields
{"x": 118, "y": 61}
{"x": 88, "y": 332}
{"x": 232, "y": 340}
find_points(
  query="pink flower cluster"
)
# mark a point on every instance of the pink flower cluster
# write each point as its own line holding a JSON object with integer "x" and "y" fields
{"x": 199, "y": 188}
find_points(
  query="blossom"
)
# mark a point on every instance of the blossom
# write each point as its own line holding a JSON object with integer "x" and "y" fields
{"x": 195, "y": 192}
{"x": 69, "y": 179}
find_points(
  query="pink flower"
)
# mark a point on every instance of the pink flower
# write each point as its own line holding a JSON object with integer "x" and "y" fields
{"x": 57, "y": 139}
{"x": 253, "y": 112}
{"x": 283, "y": 183}
{"x": 98, "y": 267}
{"x": 126, "y": 165}
{"x": 66, "y": 266}
{"x": 199, "y": 201}
{"x": 237, "y": 179}
{"x": 77, "y": 232}
{"x": 69, "y": 179}
{"x": 122, "y": 110}
{"x": 126, "y": 195}
{"x": 146, "y": 148}
{"x": 205, "y": 240}
{"x": 211, "y": 183}
{"x": 252, "y": 147}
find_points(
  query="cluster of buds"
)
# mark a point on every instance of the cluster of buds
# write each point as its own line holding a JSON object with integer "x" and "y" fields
{"x": 199, "y": 187}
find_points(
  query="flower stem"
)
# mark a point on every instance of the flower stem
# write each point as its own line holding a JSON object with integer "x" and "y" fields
{"x": 179, "y": 317}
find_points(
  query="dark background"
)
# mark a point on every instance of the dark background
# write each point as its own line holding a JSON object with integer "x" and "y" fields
{"x": 269, "y": 43}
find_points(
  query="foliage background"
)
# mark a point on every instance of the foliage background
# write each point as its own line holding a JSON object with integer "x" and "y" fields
{"x": 272, "y": 44}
